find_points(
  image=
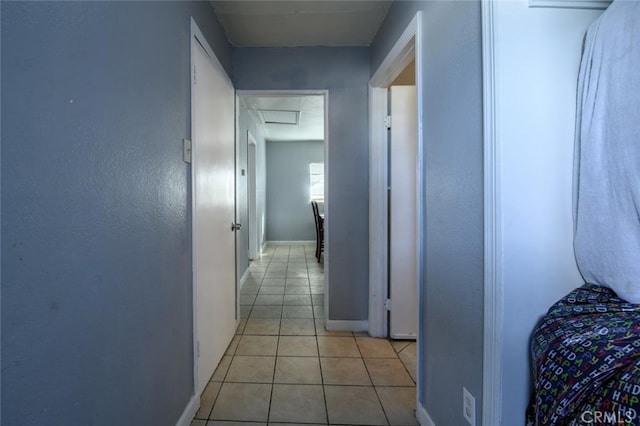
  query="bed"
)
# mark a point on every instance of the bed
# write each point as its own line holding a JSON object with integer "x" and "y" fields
{"x": 586, "y": 361}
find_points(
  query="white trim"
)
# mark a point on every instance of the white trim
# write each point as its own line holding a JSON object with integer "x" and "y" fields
{"x": 339, "y": 325}
{"x": 408, "y": 46}
{"x": 280, "y": 93}
{"x": 423, "y": 416}
{"x": 236, "y": 200}
{"x": 493, "y": 303}
{"x": 288, "y": 243}
{"x": 252, "y": 192}
{"x": 325, "y": 208}
{"x": 326, "y": 256}
{"x": 571, "y": 4}
{"x": 189, "y": 411}
{"x": 194, "y": 31}
{"x": 378, "y": 212}
{"x": 398, "y": 57}
{"x": 404, "y": 336}
{"x": 422, "y": 210}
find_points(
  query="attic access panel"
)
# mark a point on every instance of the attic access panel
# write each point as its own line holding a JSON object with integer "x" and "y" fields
{"x": 279, "y": 117}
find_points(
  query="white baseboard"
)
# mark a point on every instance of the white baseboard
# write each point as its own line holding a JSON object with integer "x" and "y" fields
{"x": 244, "y": 278}
{"x": 423, "y": 417}
{"x": 288, "y": 243}
{"x": 337, "y": 325}
{"x": 189, "y": 412}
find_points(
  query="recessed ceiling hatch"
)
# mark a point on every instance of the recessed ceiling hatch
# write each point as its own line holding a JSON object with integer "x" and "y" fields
{"x": 279, "y": 117}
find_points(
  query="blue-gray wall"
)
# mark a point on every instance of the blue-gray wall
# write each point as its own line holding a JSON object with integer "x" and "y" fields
{"x": 345, "y": 73}
{"x": 96, "y": 250}
{"x": 452, "y": 320}
{"x": 247, "y": 123}
{"x": 289, "y": 214}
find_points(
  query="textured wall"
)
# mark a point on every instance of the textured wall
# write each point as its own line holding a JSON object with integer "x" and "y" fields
{"x": 452, "y": 313}
{"x": 96, "y": 253}
{"x": 289, "y": 214}
{"x": 345, "y": 73}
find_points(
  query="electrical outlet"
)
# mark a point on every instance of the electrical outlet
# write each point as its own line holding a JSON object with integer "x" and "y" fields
{"x": 468, "y": 406}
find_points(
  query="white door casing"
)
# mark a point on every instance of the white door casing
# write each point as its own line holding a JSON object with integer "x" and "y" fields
{"x": 403, "y": 213}
{"x": 327, "y": 264}
{"x": 252, "y": 197}
{"x": 408, "y": 46}
{"x": 213, "y": 204}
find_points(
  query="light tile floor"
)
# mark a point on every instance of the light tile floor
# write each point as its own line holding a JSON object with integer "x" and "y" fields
{"x": 284, "y": 368}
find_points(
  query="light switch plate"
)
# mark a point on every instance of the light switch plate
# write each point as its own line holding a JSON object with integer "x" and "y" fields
{"x": 186, "y": 150}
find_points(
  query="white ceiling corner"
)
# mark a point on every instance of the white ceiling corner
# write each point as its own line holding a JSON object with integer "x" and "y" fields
{"x": 269, "y": 23}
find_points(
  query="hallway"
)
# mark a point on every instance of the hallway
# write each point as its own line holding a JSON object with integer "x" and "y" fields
{"x": 282, "y": 367}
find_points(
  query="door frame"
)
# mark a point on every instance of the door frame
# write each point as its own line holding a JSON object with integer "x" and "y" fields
{"x": 407, "y": 47}
{"x": 252, "y": 219}
{"x": 325, "y": 94}
{"x": 492, "y": 370}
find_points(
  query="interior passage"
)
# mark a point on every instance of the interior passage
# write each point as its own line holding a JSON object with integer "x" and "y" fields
{"x": 283, "y": 367}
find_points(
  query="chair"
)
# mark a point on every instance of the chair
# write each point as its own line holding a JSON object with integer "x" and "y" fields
{"x": 319, "y": 220}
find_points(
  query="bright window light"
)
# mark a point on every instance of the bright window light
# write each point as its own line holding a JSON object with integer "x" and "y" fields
{"x": 316, "y": 180}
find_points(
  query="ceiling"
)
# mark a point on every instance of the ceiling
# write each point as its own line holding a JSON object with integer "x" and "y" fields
{"x": 268, "y": 23}
{"x": 307, "y": 111}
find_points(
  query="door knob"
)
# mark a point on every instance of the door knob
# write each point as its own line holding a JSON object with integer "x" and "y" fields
{"x": 236, "y": 226}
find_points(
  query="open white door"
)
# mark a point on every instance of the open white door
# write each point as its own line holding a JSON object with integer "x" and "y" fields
{"x": 213, "y": 180}
{"x": 403, "y": 213}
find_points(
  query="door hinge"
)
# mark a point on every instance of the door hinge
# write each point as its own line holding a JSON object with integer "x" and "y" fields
{"x": 195, "y": 76}
{"x": 387, "y": 305}
{"x": 387, "y": 122}
{"x": 198, "y": 349}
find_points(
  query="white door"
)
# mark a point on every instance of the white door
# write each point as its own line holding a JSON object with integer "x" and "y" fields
{"x": 213, "y": 211}
{"x": 403, "y": 213}
{"x": 251, "y": 190}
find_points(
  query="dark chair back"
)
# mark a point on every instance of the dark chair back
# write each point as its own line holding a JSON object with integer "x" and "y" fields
{"x": 319, "y": 229}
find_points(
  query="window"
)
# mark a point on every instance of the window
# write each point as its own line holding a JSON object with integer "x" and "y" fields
{"x": 316, "y": 180}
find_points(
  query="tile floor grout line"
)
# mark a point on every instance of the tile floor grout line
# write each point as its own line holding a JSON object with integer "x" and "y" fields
{"x": 372, "y": 383}
{"x": 324, "y": 394}
{"x": 275, "y": 366}
{"x": 405, "y": 367}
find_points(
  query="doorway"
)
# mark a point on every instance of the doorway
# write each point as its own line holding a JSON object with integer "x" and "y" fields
{"x": 405, "y": 52}
{"x": 282, "y": 140}
{"x": 407, "y": 48}
{"x": 402, "y": 290}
